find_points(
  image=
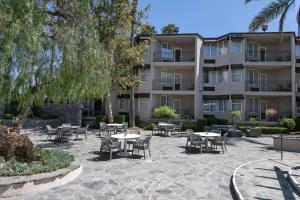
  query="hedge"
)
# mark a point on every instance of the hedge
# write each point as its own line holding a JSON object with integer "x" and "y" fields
{"x": 268, "y": 129}
{"x": 190, "y": 125}
{"x": 297, "y": 127}
{"x": 222, "y": 121}
{"x": 119, "y": 119}
{"x": 100, "y": 118}
{"x": 148, "y": 127}
{"x": 201, "y": 123}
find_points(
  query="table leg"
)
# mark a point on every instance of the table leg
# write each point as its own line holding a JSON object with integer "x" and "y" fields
{"x": 124, "y": 153}
{"x": 125, "y": 146}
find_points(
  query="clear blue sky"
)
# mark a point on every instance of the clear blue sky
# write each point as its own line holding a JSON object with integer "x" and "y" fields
{"x": 211, "y": 18}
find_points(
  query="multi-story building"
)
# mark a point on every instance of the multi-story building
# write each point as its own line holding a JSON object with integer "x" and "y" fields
{"x": 198, "y": 76}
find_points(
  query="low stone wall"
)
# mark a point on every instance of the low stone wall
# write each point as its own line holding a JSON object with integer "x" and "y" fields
{"x": 20, "y": 185}
{"x": 34, "y": 123}
{"x": 289, "y": 143}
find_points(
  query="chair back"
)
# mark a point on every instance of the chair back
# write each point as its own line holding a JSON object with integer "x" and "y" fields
{"x": 216, "y": 131}
{"x": 147, "y": 140}
{"x": 48, "y": 127}
{"x": 134, "y": 132}
{"x": 189, "y": 132}
{"x": 106, "y": 141}
{"x": 125, "y": 125}
{"x": 195, "y": 137}
{"x": 87, "y": 127}
{"x": 66, "y": 125}
{"x": 207, "y": 128}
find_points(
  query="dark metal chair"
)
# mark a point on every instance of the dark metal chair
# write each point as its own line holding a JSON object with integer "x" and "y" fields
{"x": 178, "y": 128}
{"x": 51, "y": 131}
{"x": 142, "y": 144}
{"x": 123, "y": 128}
{"x": 220, "y": 141}
{"x": 189, "y": 132}
{"x": 197, "y": 140}
{"x": 132, "y": 141}
{"x": 156, "y": 129}
{"x": 82, "y": 131}
{"x": 109, "y": 145}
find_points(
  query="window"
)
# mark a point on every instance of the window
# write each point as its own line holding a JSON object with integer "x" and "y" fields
{"x": 220, "y": 76}
{"x": 209, "y": 106}
{"x": 145, "y": 76}
{"x": 210, "y": 50}
{"x": 166, "y": 76}
{"x": 236, "y": 75}
{"x": 144, "y": 104}
{"x": 223, "y": 47}
{"x": 236, "y": 105}
{"x": 221, "y": 105}
{"x": 236, "y": 46}
{"x": 206, "y": 77}
{"x": 297, "y": 50}
{"x": 253, "y": 76}
{"x": 298, "y": 107}
{"x": 123, "y": 104}
{"x": 252, "y": 50}
{"x": 253, "y": 105}
{"x": 165, "y": 100}
{"x": 166, "y": 50}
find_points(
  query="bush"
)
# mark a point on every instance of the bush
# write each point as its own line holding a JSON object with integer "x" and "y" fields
{"x": 46, "y": 116}
{"x": 211, "y": 120}
{"x": 8, "y": 116}
{"x": 222, "y": 121}
{"x": 274, "y": 130}
{"x": 297, "y": 127}
{"x": 100, "y": 118}
{"x": 44, "y": 161}
{"x": 201, "y": 123}
{"x": 148, "y": 127}
{"x": 165, "y": 112}
{"x": 190, "y": 125}
{"x": 288, "y": 123}
{"x": 119, "y": 119}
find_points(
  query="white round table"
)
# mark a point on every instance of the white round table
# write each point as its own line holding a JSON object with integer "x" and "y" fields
{"x": 125, "y": 137}
{"x": 165, "y": 125}
{"x": 208, "y": 134}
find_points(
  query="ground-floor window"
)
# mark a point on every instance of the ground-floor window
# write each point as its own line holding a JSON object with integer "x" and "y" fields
{"x": 123, "y": 104}
{"x": 253, "y": 104}
{"x": 143, "y": 104}
{"x": 236, "y": 105}
{"x": 214, "y": 105}
{"x": 298, "y": 107}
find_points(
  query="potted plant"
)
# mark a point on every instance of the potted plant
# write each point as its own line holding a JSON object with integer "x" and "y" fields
{"x": 271, "y": 113}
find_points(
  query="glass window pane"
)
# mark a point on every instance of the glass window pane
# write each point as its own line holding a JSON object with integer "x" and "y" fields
{"x": 144, "y": 104}
{"x": 236, "y": 46}
{"x": 236, "y": 75}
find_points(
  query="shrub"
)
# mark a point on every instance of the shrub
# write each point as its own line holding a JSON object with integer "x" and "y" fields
{"x": 235, "y": 116}
{"x": 137, "y": 120}
{"x": 165, "y": 112}
{"x": 190, "y": 125}
{"x": 8, "y": 116}
{"x": 201, "y": 123}
{"x": 119, "y": 119}
{"x": 148, "y": 127}
{"x": 211, "y": 120}
{"x": 100, "y": 118}
{"x": 274, "y": 130}
{"x": 297, "y": 121}
{"x": 44, "y": 161}
{"x": 222, "y": 121}
{"x": 288, "y": 123}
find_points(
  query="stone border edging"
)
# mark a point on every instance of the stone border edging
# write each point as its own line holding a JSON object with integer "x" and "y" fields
{"x": 233, "y": 181}
{"x": 20, "y": 185}
{"x": 293, "y": 180}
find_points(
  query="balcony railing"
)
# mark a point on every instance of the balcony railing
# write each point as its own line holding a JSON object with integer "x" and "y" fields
{"x": 268, "y": 56}
{"x": 269, "y": 86}
{"x": 173, "y": 85}
{"x": 174, "y": 57}
{"x": 261, "y": 116}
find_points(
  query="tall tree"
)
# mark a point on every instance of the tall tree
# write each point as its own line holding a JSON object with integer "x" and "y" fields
{"x": 148, "y": 29}
{"x": 275, "y": 9}
{"x": 170, "y": 29}
{"x": 48, "y": 50}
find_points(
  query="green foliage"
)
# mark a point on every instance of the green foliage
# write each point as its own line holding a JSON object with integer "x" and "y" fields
{"x": 268, "y": 129}
{"x": 44, "y": 115}
{"x": 222, "y": 121}
{"x": 148, "y": 127}
{"x": 165, "y": 112}
{"x": 235, "y": 116}
{"x": 170, "y": 29}
{"x": 100, "y": 118}
{"x": 8, "y": 116}
{"x": 201, "y": 123}
{"x": 190, "y": 125}
{"x": 148, "y": 29}
{"x": 212, "y": 120}
{"x": 288, "y": 123}
{"x": 297, "y": 127}
{"x": 44, "y": 161}
{"x": 119, "y": 119}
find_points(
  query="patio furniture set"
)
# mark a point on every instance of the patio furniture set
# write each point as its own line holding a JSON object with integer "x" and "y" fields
{"x": 202, "y": 139}
{"x": 167, "y": 129}
{"x": 110, "y": 135}
{"x": 66, "y": 131}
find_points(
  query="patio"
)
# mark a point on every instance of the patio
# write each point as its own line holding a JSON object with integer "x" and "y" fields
{"x": 170, "y": 173}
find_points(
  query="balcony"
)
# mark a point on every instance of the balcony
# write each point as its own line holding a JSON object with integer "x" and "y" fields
{"x": 177, "y": 57}
{"x": 264, "y": 55}
{"x": 173, "y": 85}
{"x": 269, "y": 86}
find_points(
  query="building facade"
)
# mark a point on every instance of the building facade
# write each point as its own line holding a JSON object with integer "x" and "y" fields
{"x": 197, "y": 76}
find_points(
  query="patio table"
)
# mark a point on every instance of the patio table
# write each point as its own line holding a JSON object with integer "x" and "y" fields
{"x": 208, "y": 135}
{"x": 165, "y": 126}
{"x": 115, "y": 126}
{"x": 125, "y": 136}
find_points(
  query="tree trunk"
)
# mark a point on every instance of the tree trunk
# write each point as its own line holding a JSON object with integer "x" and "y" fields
{"x": 132, "y": 35}
{"x": 108, "y": 109}
{"x": 19, "y": 120}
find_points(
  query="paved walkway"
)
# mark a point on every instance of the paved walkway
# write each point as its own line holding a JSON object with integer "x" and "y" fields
{"x": 267, "y": 179}
{"x": 170, "y": 173}
{"x": 296, "y": 173}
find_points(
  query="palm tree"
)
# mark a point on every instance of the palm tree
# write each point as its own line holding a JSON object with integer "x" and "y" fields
{"x": 275, "y": 9}
{"x": 148, "y": 29}
{"x": 170, "y": 29}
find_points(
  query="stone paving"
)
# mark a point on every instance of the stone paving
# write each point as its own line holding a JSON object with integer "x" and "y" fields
{"x": 170, "y": 173}
{"x": 267, "y": 180}
{"x": 296, "y": 173}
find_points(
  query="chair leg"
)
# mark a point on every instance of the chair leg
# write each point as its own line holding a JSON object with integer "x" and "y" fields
{"x": 149, "y": 152}
{"x": 225, "y": 146}
{"x": 201, "y": 148}
{"x": 144, "y": 154}
{"x": 222, "y": 147}
{"x": 110, "y": 156}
